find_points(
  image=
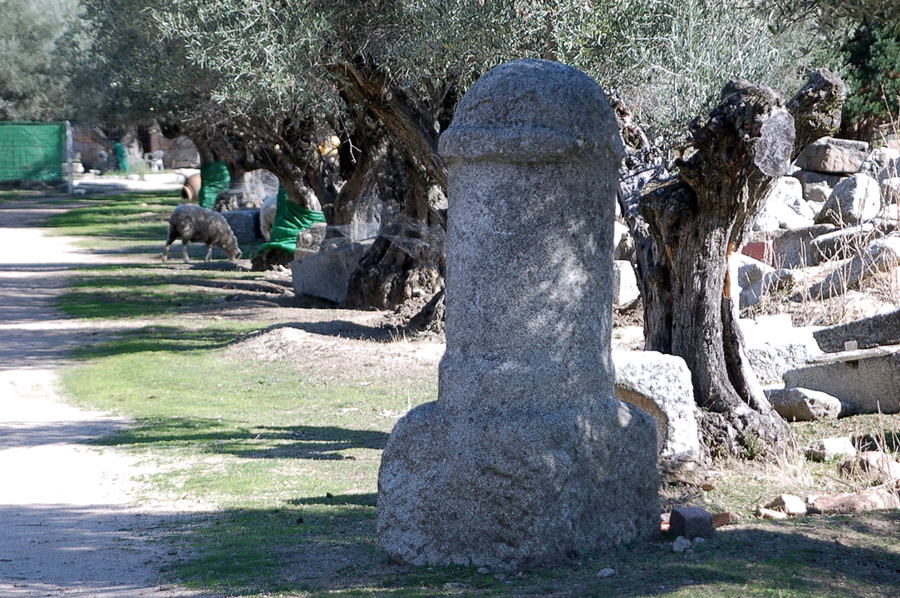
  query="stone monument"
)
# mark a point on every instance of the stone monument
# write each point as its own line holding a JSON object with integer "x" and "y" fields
{"x": 527, "y": 457}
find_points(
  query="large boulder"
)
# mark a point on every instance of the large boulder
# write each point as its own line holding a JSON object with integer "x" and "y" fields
{"x": 755, "y": 279}
{"x": 623, "y": 243}
{"x": 245, "y": 225}
{"x": 853, "y": 200}
{"x": 777, "y": 215}
{"x": 833, "y": 156}
{"x": 872, "y": 499}
{"x": 881, "y": 160}
{"x": 817, "y": 186}
{"x": 625, "y": 285}
{"x": 845, "y": 242}
{"x": 795, "y": 249}
{"x": 326, "y": 274}
{"x": 784, "y": 207}
{"x": 661, "y": 385}
{"x": 774, "y": 346}
{"x": 881, "y": 255}
{"x": 864, "y": 383}
{"x": 803, "y": 405}
{"x": 257, "y": 185}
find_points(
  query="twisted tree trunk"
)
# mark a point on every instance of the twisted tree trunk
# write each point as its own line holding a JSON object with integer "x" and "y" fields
{"x": 687, "y": 226}
{"x": 406, "y": 261}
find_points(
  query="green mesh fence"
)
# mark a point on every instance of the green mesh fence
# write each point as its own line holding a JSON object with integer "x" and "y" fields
{"x": 32, "y": 151}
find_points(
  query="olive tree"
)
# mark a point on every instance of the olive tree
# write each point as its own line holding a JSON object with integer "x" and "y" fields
{"x": 40, "y": 45}
{"x": 393, "y": 70}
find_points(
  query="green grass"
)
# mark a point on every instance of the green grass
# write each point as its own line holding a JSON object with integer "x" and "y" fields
{"x": 150, "y": 290}
{"x": 128, "y": 221}
{"x": 289, "y": 466}
{"x": 284, "y": 462}
{"x": 8, "y": 195}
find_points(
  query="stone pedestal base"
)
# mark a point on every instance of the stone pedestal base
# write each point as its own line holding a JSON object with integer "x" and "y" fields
{"x": 516, "y": 491}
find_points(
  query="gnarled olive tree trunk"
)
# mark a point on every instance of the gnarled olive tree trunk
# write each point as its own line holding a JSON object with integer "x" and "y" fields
{"x": 687, "y": 225}
{"x": 406, "y": 261}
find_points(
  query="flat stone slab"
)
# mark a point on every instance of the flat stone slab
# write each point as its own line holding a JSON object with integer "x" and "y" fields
{"x": 865, "y": 382}
{"x": 883, "y": 329}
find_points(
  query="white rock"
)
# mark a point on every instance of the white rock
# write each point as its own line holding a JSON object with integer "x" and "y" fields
{"x": 765, "y": 513}
{"x": 880, "y": 160}
{"x": 788, "y": 504}
{"x": 606, "y": 572}
{"x": 681, "y": 544}
{"x": 787, "y": 190}
{"x": 829, "y": 448}
{"x": 774, "y": 346}
{"x": 267, "y": 216}
{"x": 625, "y": 286}
{"x": 882, "y": 467}
{"x": 661, "y": 385}
{"x": 749, "y": 275}
{"x": 890, "y": 190}
{"x": 871, "y": 499}
{"x": 853, "y": 200}
{"x": 817, "y": 186}
{"x": 802, "y": 404}
{"x": 881, "y": 255}
{"x": 777, "y": 215}
{"x": 623, "y": 244}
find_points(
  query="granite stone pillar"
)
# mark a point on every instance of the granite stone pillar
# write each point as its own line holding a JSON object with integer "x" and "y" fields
{"x": 527, "y": 457}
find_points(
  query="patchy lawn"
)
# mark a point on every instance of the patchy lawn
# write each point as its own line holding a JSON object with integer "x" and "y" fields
{"x": 280, "y": 456}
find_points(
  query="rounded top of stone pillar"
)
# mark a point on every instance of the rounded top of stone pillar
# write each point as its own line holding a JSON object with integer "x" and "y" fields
{"x": 532, "y": 111}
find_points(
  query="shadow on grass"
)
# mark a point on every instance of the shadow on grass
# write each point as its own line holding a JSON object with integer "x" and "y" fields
{"x": 135, "y": 295}
{"x": 129, "y": 303}
{"x": 362, "y": 500}
{"x": 343, "y": 328}
{"x": 257, "y": 442}
{"x": 161, "y": 339}
{"x": 328, "y": 546}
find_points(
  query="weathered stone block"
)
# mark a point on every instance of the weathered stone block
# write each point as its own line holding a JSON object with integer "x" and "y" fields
{"x": 625, "y": 285}
{"x": 873, "y": 499}
{"x": 794, "y": 248}
{"x": 880, "y": 255}
{"x": 803, "y": 405}
{"x": 845, "y": 242}
{"x": 855, "y": 199}
{"x": 829, "y": 448}
{"x": 691, "y": 522}
{"x": 883, "y": 329}
{"x": 865, "y": 386}
{"x": 326, "y": 274}
{"x": 832, "y": 155}
{"x": 660, "y": 385}
{"x": 774, "y": 346}
{"x": 244, "y": 224}
{"x": 816, "y": 186}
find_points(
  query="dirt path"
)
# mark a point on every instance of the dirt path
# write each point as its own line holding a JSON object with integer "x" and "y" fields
{"x": 70, "y": 524}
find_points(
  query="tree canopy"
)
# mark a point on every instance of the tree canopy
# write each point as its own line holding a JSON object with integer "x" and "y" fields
{"x": 667, "y": 58}
{"x": 41, "y": 42}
